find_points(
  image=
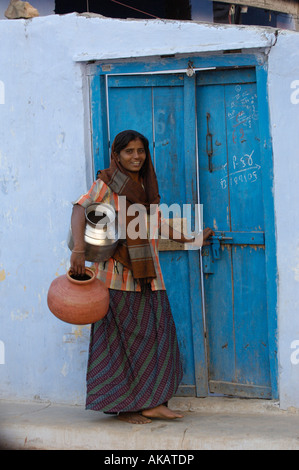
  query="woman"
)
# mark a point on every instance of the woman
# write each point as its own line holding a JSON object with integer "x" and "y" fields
{"x": 134, "y": 365}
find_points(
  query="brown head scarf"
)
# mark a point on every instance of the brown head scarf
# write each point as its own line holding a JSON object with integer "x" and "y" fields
{"x": 134, "y": 254}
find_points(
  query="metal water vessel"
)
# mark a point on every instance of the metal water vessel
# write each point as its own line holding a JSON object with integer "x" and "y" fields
{"x": 101, "y": 232}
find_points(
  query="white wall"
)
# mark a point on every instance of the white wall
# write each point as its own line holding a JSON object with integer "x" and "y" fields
{"x": 45, "y": 163}
{"x": 284, "y": 110}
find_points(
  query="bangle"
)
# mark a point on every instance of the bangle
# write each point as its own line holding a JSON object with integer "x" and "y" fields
{"x": 75, "y": 251}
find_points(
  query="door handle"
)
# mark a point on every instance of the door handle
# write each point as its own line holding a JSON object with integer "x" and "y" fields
{"x": 209, "y": 143}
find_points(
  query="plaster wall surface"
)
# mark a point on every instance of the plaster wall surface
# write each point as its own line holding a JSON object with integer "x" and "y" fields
{"x": 46, "y": 162}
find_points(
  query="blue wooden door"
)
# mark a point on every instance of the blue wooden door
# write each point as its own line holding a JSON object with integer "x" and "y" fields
{"x": 234, "y": 264}
{"x": 204, "y": 140}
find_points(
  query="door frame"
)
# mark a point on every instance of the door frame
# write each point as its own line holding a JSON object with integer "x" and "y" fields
{"x": 98, "y": 74}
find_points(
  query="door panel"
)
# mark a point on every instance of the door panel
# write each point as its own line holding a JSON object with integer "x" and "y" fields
{"x": 244, "y": 162}
{"x": 220, "y": 324}
{"x": 168, "y": 107}
{"x": 129, "y": 108}
{"x": 234, "y": 265}
{"x": 252, "y": 356}
{"x": 211, "y": 114}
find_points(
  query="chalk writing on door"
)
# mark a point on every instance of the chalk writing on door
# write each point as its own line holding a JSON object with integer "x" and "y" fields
{"x": 245, "y": 170}
{"x": 243, "y": 112}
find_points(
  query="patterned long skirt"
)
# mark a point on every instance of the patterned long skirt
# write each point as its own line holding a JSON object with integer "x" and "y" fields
{"x": 134, "y": 360}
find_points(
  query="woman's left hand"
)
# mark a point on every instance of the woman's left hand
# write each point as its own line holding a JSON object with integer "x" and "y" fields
{"x": 200, "y": 240}
{"x": 207, "y": 233}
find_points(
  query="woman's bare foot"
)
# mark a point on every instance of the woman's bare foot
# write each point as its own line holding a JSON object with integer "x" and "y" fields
{"x": 133, "y": 418}
{"x": 163, "y": 412}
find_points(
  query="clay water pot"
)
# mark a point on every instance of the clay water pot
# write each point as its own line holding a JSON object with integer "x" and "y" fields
{"x": 78, "y": 300}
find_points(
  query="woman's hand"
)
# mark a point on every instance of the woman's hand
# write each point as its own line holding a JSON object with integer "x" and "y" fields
{"x": 200, "y": 240}
{"x": 192, "y": 243}
{"x": 207, "y": 233}
{"x": 77, "y": 264}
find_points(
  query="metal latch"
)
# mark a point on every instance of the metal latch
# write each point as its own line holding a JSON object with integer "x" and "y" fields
{"x": 216, "y": 248}
{"x": 211, "y": 252}
{"x": 215, "y": 242}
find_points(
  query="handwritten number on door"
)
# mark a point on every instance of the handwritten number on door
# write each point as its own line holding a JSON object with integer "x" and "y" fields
{"x": 209, "y": 144}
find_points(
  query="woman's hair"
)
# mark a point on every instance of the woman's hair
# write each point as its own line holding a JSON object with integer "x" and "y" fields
{"x": 122, "y": 140}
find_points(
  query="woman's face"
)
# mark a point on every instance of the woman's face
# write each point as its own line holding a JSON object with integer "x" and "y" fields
{"x": 133, "y": 156}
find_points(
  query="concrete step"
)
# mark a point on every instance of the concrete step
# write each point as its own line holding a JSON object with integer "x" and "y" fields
{"x": 208, "y": 423}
